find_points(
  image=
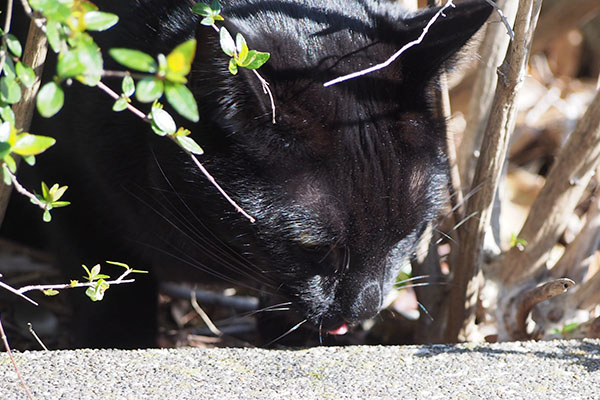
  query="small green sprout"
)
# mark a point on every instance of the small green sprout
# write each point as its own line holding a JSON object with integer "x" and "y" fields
{"x": 517, "y": 242}
{"x": 50, "y": 198}
{"x": 211, "y": 13}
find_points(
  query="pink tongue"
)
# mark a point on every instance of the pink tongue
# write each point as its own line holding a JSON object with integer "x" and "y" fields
{"x": 341, "y": 330}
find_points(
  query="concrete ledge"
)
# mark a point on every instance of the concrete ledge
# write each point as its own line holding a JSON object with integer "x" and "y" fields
{"x": 527, "y": 370}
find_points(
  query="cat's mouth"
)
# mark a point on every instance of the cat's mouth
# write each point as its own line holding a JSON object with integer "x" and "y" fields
{"x": 340, "y": 330}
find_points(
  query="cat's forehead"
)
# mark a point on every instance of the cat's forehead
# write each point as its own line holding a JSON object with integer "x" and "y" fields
{"x": 307, "y": 32}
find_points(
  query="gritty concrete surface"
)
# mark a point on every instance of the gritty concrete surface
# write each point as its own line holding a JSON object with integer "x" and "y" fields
{"x": 528, "y": 370}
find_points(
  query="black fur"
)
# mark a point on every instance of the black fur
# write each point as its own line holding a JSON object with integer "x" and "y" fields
{"x": 341, "y": 186}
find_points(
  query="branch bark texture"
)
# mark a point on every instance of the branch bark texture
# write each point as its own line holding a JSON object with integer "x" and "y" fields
{"x": 465, "y": 284}
{"x": 565, "y": 184}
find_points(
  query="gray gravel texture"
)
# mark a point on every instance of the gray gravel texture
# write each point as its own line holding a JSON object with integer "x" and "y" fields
{"x": 526, "y": 370}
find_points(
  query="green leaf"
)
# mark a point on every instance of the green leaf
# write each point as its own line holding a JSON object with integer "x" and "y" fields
{"x": 13, "y": 45}
{"x": 207, "y": 21}
{"x": 58, "y": 204}
{"x": 226, "y": 41}
{"x": 7, "y": 114}
{"x": 163, "y": 121}
{"x": 96, "y": 292}
{"x": 189, "y": 144}
{"x": 50, "y": 292}
{"x": 134, "y": 59}
{"x": 89, "y": 55}
{"x": 5, "y": 175}
{"x": 52, "y": 9}
{"x": 149, "y": 89}
{"x": 179, "y": 61}
{"x": 46, "y": 216}
{"x": 69, "y": 65}
{"x": 57, "y": 191}
{"x": 9, "y": 68}
{"x": 25, "y": 74}
{"x": 259, "y": 58}
{"x": 120, "y": 105}
{"x": 30, "y": 160}
{"x": 5, "y": 129}
{"x": 45, "y": 193}
{"x": 215, "y": 6}
{"x": 50, "y": 99}
{"x": 4, "y": 150}
{"x": 128, "y": 86}
{"x": 10, "y": 163}
{"x": 182, "y": 100}
{"x": 99, "y": 21}
{"x": 53, "y": 35}
{"x": 202, "y": 9}
{"x": 233, "y": 68}
{"x": 10, "y": 91}
{"x": 570, "y": 327}
{"x": 32, "y": 145}
{"x": 118, "y": 264}
{"x": 241, "y": 47}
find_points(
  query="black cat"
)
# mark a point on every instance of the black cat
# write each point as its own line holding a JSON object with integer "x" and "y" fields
{"x": 341, "y": 186}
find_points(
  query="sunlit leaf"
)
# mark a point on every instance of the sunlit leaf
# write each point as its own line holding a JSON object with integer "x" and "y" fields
{"x": 163, "y": 120}
{"x": 179, "y": 61}
{"x": 128, "y": 86}
{"x": 226, "y": 41}
{"x": 134, "y": 59}
{"x": 233, "y": 68}
{"x": 149, "y": 89}
{"x": 189, "y": 144}
{"x": 10, "y": 91}
{"x": 182, "y": 100}
{"x": 50, "y": 99}
{"x": 13, "y": 45}
{"x": 202, "y": 9}
{"x": 120, "y": 105}
{"x": 259, "y": 59}
{"x": 31, "y": 145}
{"x": 99, "y": 21}
{"x": 25, "y": 74}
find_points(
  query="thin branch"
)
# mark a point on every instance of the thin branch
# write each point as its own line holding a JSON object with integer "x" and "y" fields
{"x": 36, "y": 336}
{"x": 7, "y": 19}
{"x": 116, "y": 96}
{"x": 565, "y": 184}
{"x": 209, "y": 324}
{"x": 12, "y": 360}
{"x": 62, "y": 286}
{"x": 204, "y": 171}
{"x": 265, "y": 85}
{"x": 530, "y": 298}
{"x": 15, "y": 291}
{"x": 503, "y": 18}
{"x": 466, "y": 269}
{"x": 39, "y": 22}
{"x": 397, "y": 54}
{"x": 220, "y": 189}
{"x": 267, "y": 91}
{"x": 22, "y": 190}
{"x": 122, "y": 74}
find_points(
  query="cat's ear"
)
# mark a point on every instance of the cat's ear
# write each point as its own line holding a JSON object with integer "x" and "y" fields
{"x": 446, "y": 36}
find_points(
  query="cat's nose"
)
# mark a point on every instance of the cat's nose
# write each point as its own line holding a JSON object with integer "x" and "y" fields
{"x": 366, "y": 304}
{"x": 356, "y": 304}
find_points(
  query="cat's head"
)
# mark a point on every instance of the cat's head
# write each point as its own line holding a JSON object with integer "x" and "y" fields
{"x": 344, "y": 182}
